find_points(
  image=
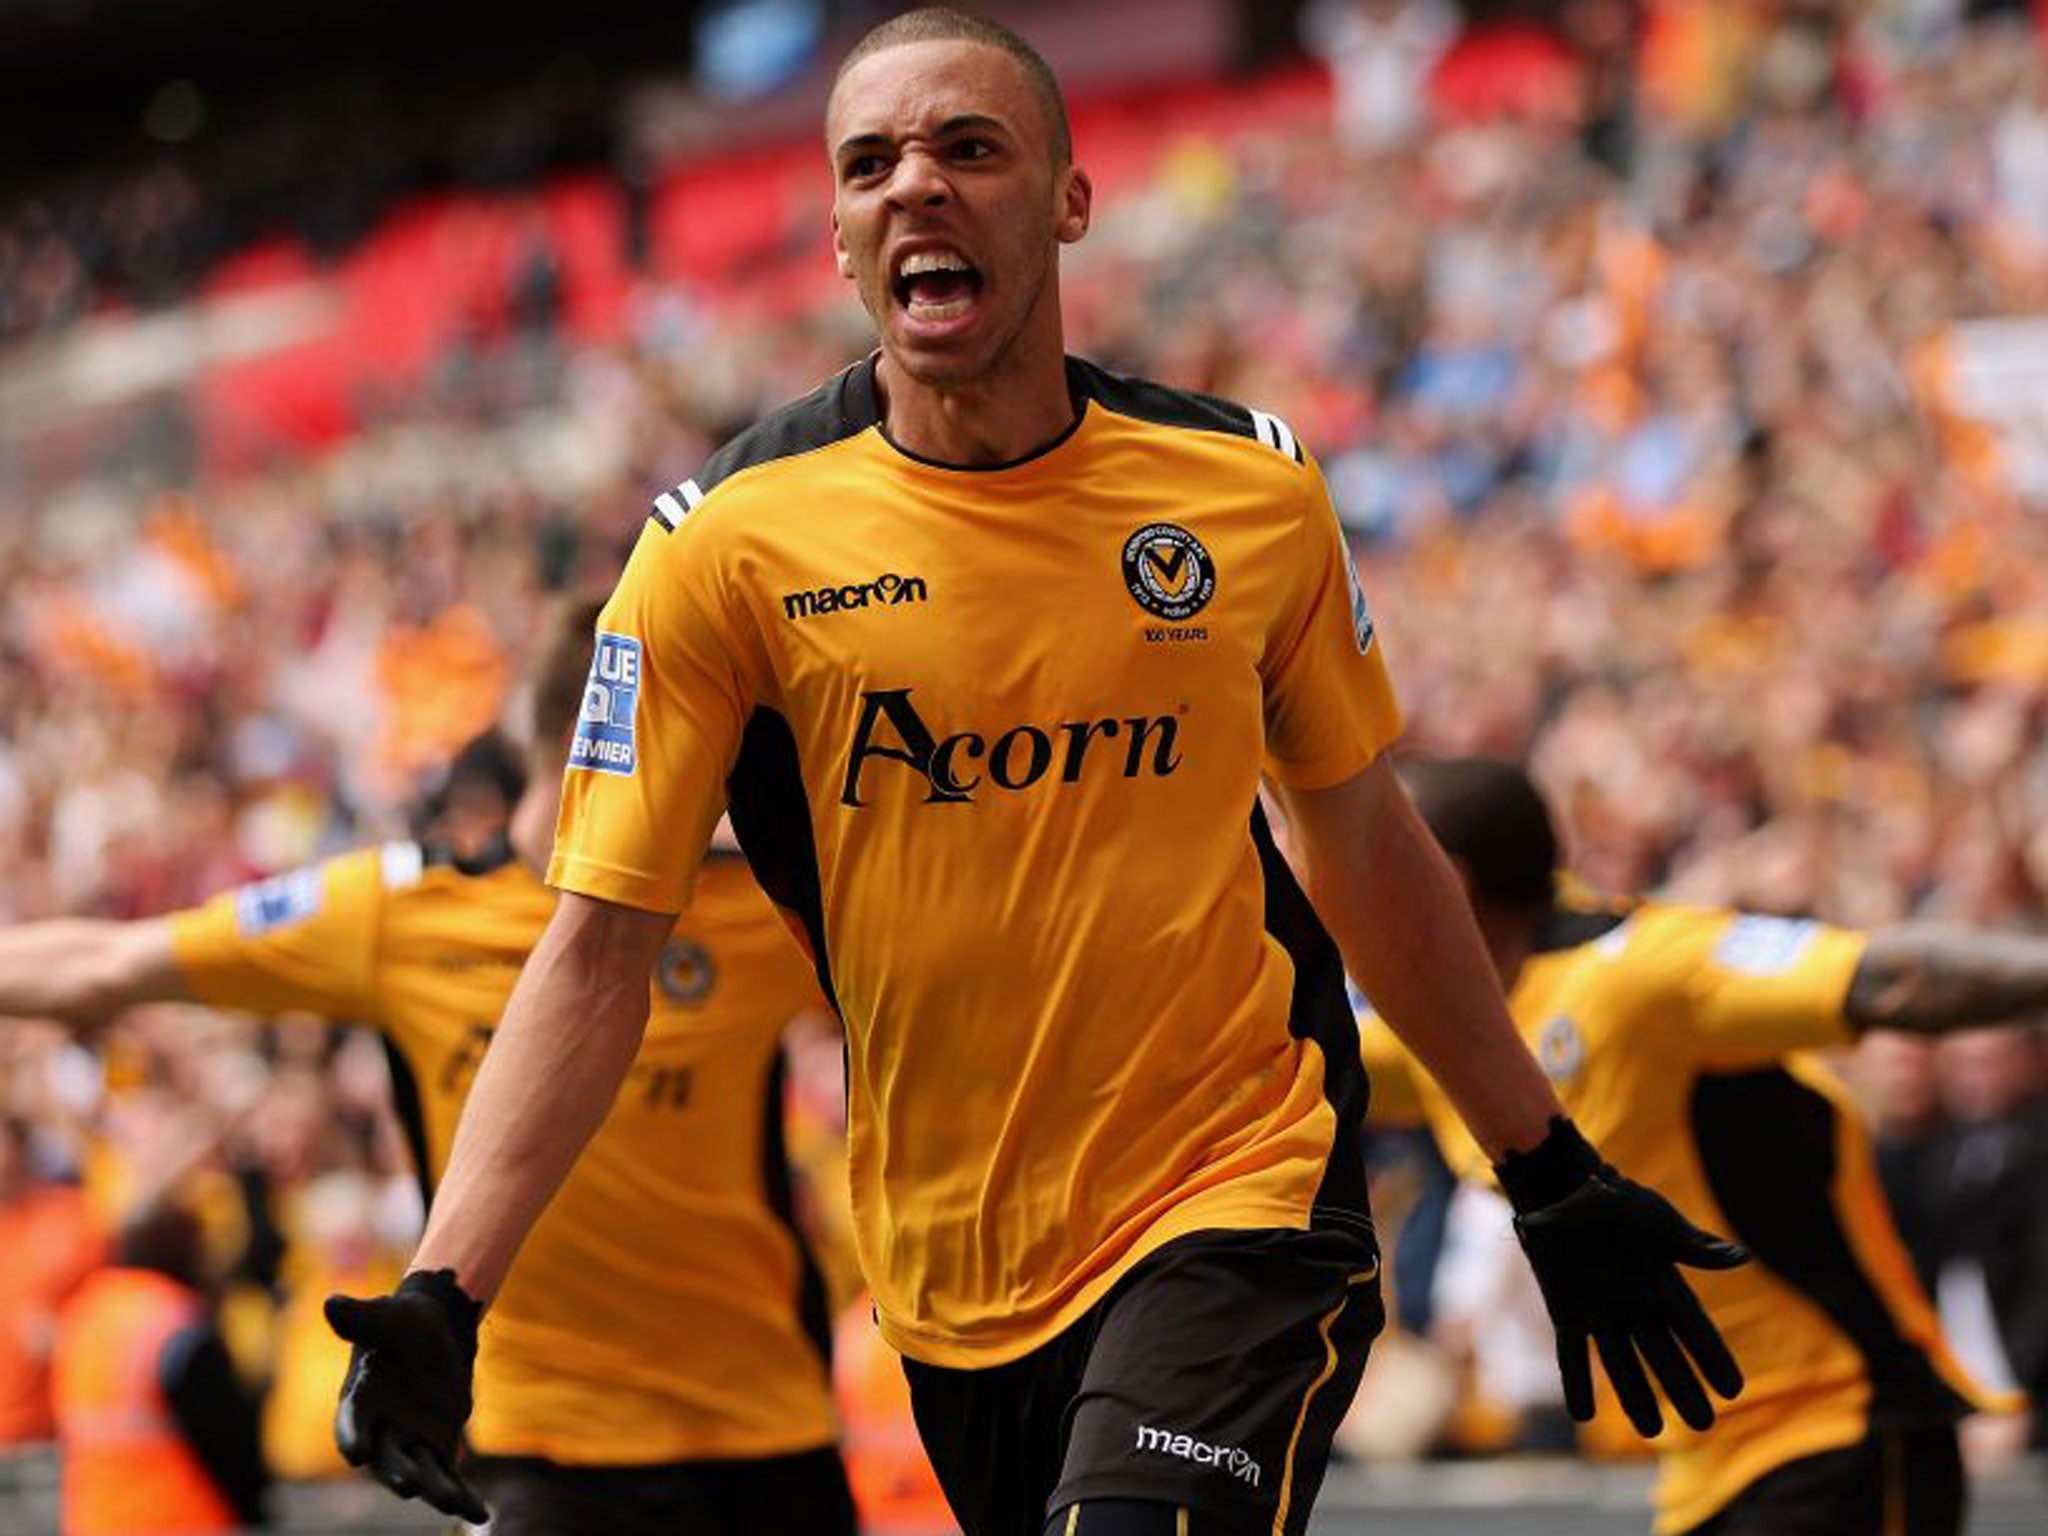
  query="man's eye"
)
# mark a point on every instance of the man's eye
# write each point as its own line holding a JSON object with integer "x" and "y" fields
{"x": 862, "y": 166}
{"x": 972, "y": 149}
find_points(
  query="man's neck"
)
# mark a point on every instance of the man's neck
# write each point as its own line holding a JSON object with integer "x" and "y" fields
{"x": 1018, "y": 409}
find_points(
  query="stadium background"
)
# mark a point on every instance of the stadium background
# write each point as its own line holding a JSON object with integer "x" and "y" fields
{"x": 1680, "y": 368}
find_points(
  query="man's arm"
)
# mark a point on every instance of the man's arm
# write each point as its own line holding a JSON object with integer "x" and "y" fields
{"x": 83, "y": 971}
{"x": 1393, "y": 903}
{"x": 1605, "y": 1249}
{"x": 568, "y": 1038}
{"x": 1929, "y": 979}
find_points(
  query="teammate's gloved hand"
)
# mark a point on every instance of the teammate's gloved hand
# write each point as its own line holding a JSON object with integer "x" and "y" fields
{"x": 1605, "y": 1251}
{"x": 406, "y": 1396}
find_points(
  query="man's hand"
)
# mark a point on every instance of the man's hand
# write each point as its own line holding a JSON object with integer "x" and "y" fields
{"x": 1605, "y": 1251}
{"x": 406, "y": 1396}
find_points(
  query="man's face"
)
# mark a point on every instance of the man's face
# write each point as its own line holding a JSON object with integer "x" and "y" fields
{"x": 947, "y": 210}
{"x": 1896, "y": 1074}
{"x": 1987, "y": 1074}
{"x": 13, "y": 1163}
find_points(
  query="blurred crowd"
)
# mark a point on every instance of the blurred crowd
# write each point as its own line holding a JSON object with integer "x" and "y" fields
{"x": 234, "y": 1178}
{"x": 1689, "y": 410}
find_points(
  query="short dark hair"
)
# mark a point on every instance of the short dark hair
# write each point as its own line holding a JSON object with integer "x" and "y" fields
{"x": 486, "y": 764}
{"x": 942, "y": 24}
{"x": 560, "y": 676}
{"x": 163, "y": 1236}
{"x": 1490, "y": 818}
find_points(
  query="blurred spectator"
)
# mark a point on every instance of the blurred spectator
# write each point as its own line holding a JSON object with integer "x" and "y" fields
{"x": 1995, "y": 1201}
{"x": 894, "y": 1486}
{"x": 1490, "y": 1322}
{"x": 155, "y": 1431}
{"x": 1733, "y": 453}
{"x": 340, "y": 1249}
{"x": 1894, "y": 1075}
{"x": 52, "y": 1242}
{"x": 1380, "y": 53}
{"x": 1412, "y": 1190}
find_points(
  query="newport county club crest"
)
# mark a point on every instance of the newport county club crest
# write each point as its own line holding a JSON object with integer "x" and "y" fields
{"x": 1561, "y": 1049}
{"x": 1167, "y": 571}
{"x": 686, "y": 973}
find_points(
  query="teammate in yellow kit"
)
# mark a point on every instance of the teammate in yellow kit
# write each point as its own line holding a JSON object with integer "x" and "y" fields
{"x": 657, "y": 1359}
{"x": 989, "y": 649}
{"x": 1683, "y": 1039}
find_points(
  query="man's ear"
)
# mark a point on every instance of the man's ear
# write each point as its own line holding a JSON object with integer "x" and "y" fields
{"x": 841, "y": 257}
{"x": 1077, "y": 205}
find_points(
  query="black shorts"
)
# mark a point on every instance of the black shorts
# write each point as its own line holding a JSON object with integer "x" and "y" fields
{"x": 1891, "y": 1483}
{"x": 1211, "y": 1378}
{"x": 766, "y": 1496}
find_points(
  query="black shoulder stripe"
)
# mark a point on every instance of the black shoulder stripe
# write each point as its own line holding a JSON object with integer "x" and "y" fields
{"x": 842, "y": 407}
{"x": 1571, "y": 927}
{"x": 1147, "y": 401}
{"x": 1276, "y": 434}
{"x": 672, "y": 506}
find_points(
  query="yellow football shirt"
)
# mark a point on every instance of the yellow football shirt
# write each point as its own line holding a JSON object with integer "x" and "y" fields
{"x": 1683, "y": 1043}
{"x": 663, "y": 1308}
{"x": 994, "y": 737}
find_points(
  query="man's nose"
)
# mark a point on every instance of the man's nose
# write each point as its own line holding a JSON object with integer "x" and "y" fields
{"x": 918, "y": 182}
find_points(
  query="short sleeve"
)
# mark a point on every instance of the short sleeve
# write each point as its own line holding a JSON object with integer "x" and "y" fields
{"x": 1330, "y": 706}
{"x": 660, "y": 725}
{"x": 303, "y": 941}
{"x": 1750, "y": 989}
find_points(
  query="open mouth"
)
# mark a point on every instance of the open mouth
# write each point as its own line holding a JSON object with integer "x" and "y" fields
{"x": 936, "y": 285}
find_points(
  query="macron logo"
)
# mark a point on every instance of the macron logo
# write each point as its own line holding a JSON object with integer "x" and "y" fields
{"x": 1228, "y": 1458}
{"x": 890, "y": 591}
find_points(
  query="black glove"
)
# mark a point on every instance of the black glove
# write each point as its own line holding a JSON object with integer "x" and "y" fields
{"x": 406, "y": 1395}
{"x": 1605, "y": 1251}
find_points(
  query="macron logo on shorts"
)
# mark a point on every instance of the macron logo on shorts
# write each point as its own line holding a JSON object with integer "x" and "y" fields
{"x": 1227, "y": 1458}
{"x": 604, "y": 727}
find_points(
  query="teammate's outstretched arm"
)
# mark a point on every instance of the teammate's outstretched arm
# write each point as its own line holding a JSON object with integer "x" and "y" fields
{"x": 568, "y": 1037}
{"x": 1931, "y": 979}
{"x": 1604, "y": 1248}
{"x": 83, "y": 971}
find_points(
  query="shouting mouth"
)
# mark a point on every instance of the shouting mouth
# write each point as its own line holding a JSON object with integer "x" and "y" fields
{"x": 936, "y": 287}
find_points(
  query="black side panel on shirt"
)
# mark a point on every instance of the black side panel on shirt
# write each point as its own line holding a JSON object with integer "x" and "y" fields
{"x": 1146, "y": 401}
{"x": 1569, "y": 927}
{"x": 771, "y": 816}
{"x": 1320, "y": 1011}
{"x": 812, "y": 1308}
{"x": 405, "y": 1100}
{"x": 1767, "y": 1145}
